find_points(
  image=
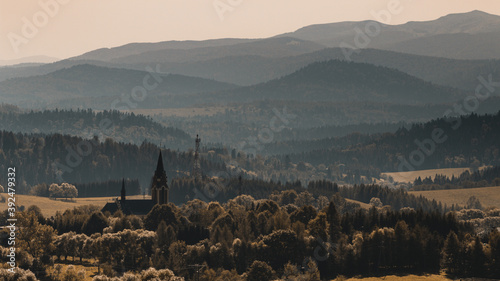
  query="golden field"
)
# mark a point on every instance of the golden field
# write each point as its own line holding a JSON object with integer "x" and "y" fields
{"x": 411, "y": 176}
{"x": 428, "y": 277}
{"x": 49, "y": 207}
{"x": 488, "y": 196}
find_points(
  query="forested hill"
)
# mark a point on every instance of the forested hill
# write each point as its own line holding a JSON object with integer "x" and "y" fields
{"x": 337, "y": 80}
{"x": 38, "y": 158}
{"x": 90, "y": 81}
{"x": 125, "y": 127}
{"x": 469, "y": 141}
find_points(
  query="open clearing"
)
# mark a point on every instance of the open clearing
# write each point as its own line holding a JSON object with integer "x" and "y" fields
{"x": 90, "y": 271}
{"x": 183, "y": 112}
{"x": 432, "y": 277}
{"x": 363, "y": 205}
{"x": 488, "y": 196}
{"x": 412, "y": 175}
{"x": 49, "y": 206}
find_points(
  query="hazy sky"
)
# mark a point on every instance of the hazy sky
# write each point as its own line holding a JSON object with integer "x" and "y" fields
{"x": 66, "y": 28}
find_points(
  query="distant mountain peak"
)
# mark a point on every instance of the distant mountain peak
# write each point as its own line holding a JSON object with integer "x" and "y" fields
{"x": 472, "y": 22}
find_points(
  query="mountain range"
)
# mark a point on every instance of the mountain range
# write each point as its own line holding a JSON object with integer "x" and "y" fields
{"x": 90, "y": 81}
{"x": 472, "y": 35}
{"x": 336, "y": 80}
{"x": 421, "y": 65}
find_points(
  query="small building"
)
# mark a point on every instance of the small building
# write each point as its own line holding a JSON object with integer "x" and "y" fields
{"x": 159, "y": 195}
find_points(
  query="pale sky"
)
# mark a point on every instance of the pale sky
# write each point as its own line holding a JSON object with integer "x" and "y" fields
{"x": 78, "y": 26}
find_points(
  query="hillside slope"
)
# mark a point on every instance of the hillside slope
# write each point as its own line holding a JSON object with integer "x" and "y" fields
{"x": 346, "y": 81}
{"x": 94, "y": 81}
{"x": 86, "y": 123}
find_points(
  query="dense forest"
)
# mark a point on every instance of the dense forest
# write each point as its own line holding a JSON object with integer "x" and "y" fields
{"x": 54, "y": 158}
{"x": 469, "y": 141}
{"x": 122, "y": 127}
{"x": 223, "y": 190}
{"x": 248, "y": 239}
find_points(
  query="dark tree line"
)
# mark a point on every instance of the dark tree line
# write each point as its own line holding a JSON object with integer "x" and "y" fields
{"x": 481, "y": 178}
{"x": 127, "y": 127}
{"x": 39, "y": 157}
{"x": 223, "y": 190}
{"x": 471, "y": 140}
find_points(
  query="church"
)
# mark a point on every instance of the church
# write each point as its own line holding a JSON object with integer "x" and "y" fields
{"x": 159, "y": 195}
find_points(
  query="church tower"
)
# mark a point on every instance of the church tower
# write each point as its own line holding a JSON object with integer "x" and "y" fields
{"x": 159, "y": 187}
{"x": 123, "y": 190}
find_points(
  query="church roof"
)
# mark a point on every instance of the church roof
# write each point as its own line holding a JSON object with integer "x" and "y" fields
{"x": 110, "y": 207}
{"x": 130, "y": 207}
{"x": 137, "y": 207}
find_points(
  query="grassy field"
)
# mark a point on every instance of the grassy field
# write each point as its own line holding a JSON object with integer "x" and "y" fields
{"x": 49, "y": 207}
{"x": 488, "y": 196}
{"x": 432, "y": 277}
{"x": 411, "y": 176}
{"x": 90, "y": 271}
{"x": 363, "y": 205}
{"x": 183, "y": 112}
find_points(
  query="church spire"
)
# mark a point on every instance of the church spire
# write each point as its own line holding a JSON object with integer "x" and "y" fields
{"x": 123, "y": 189}
{"x": 159, "y": 167}
{"x": 159, "y": 186}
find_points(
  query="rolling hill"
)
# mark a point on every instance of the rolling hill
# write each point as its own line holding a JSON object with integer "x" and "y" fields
{"x": 474, "y": 142}
{"x": 336, "y": 80}
{"x": 248, "y": 70}
{"x": 84, "y": 81}
{"x": 126, "y": 128}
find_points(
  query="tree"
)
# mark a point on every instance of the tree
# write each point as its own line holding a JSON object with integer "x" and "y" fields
{"x": 304, "y": 214}
{"x": 312, "y": 272}
{"x": 69, "y": 191}
{"x": 164, "y": 212}
{"x": 304, "y": 199}
{"x": 35, "y": 238}
{"x": 333, "y": 218}
{"x": 494, "y": 241}
{"x": 376, "y": 202}
{"x": 55, "y": 191}
{"x": 451, "y": 260}
{"x": 318, "y": 227}
{"x": 280, "y": 247}
{"x": 260, "y": 271}
{"x": 401, "y": 253}
{"x": 166, "y": 236}
{"x": 288, "y": 197}
{"x": 19, "y": 274}
{"x": 95, "y": 223}
{"x": 40, "y": 190}
{"x": 478, "y": 258}
{"x": 473, "y": 203}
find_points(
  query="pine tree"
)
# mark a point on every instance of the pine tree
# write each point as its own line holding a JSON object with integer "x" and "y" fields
{"x": 333, "y": 218}
{"x": 451, "y": 257}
